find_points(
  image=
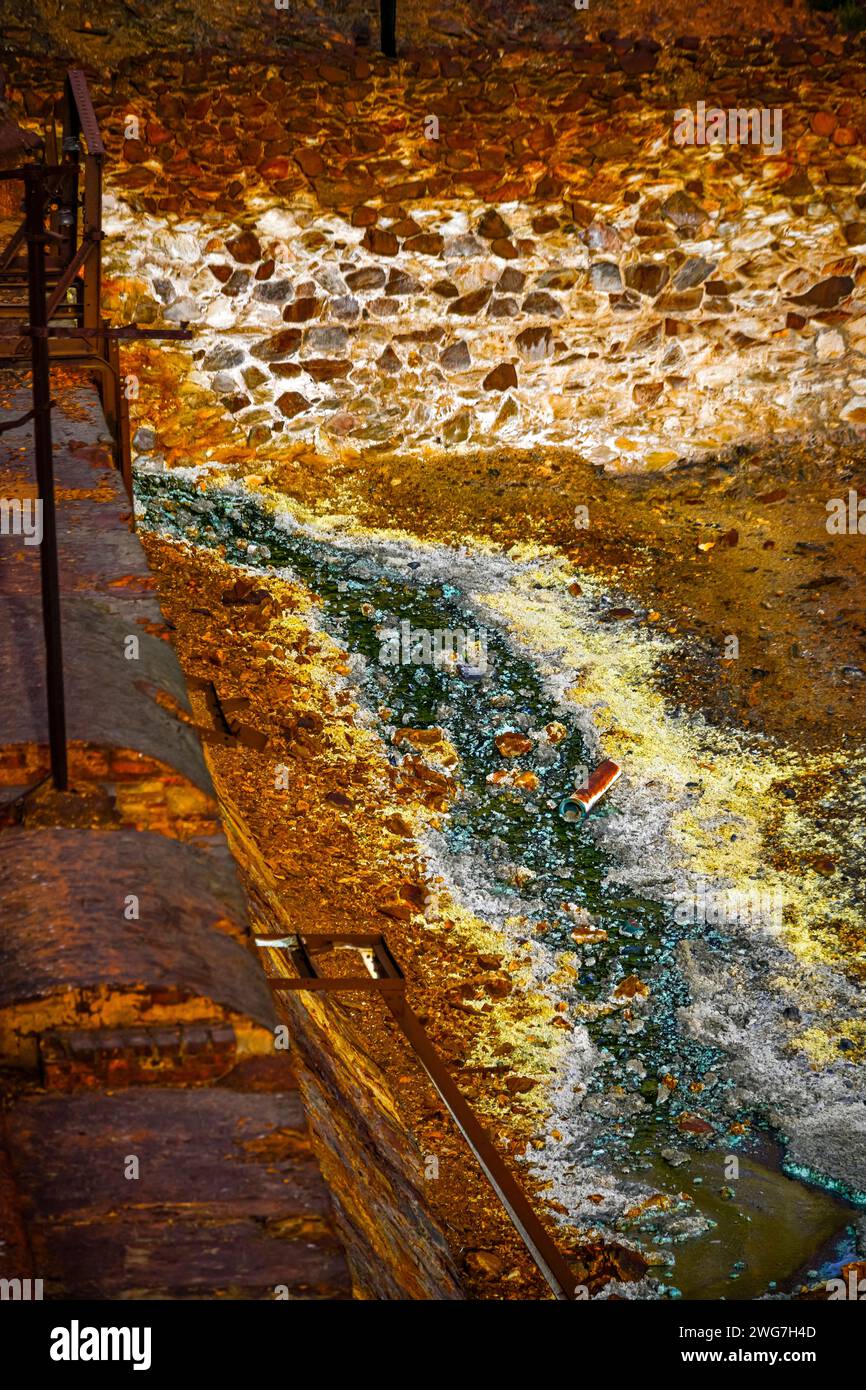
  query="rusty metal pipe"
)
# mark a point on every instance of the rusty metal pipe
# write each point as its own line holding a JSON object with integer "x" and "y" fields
{"x": 580, "y": 802}
{"x": 40, "y": 366}
{"x": 385, "y": 977}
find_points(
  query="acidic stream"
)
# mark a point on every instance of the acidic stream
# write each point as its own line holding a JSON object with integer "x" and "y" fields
{"x": 716, "y": 1235}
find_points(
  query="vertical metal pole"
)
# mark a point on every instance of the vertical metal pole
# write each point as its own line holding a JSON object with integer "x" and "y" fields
{"x": 65, "y": 219}
{"x": 92, "y": 210}
{"x": 40, "y": 365}
{"x": 388, "y": 27}
{"x": 71, "y": 156}
{"x": 116, "y": 408}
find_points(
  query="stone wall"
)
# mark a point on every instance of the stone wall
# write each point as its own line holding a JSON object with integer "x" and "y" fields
{"x": 469, "y": 253}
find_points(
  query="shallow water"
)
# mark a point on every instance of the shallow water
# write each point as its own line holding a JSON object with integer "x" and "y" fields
{"x": 775, "y": 1224}
{"x": 773, "y": 1236}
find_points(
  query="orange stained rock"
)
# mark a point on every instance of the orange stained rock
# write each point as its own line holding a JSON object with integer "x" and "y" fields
{"x": 584, "y": 935}
{"x": 508, "y": 777}
{"x": 693, "y": 1124}
{"x": 512, "y": 744}
{"x": 824, "y": 123}
{"x": 630, "y": 988}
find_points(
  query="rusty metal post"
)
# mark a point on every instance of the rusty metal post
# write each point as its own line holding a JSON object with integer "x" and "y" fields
{"x": 65, "y": 219}
{"x": 41, "y": 372}
{"x": 388, "y": 27}
{"x": 385, "y": 977}
{"x": 92, "y": 228}
{"x": 120, "y": 411}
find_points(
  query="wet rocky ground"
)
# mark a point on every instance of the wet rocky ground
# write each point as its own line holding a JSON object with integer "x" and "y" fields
{"x": 339, "y": 834}
{"x": 643, "y": 1094}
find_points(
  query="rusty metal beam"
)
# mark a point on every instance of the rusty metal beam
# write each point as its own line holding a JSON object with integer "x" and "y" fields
{"x": 40, "y": 366}
{"x": 91, "y": 297}
{"x": 12, "y": 245}
{"x": 121, "y": 414}
{"x": 87, "y": 247}
{"x": 535, "y": 1237}
{"x": 83, "y": 106}
{"x": 386, "y": 978}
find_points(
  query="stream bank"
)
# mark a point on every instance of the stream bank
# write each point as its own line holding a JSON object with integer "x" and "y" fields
{"x": 631, "y": 1083}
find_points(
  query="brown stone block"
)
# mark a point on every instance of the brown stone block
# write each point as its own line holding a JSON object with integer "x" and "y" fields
{"x": 500, "y": 378}
{"x": 187, "y": 1055}
{"x": 70, "y": 958}
{"x": 408, "y": 191}
{"x": 278, "y": 345}
{"x": 245, "y": 248}
{"x": 326, "y": 369}
{"x": 301, "y": 310}
{"x": 292, "y": 403}
{"x": 427, "y": 244}
{"x": 380, "y": 242}
{"x": 470, "y": 303}
{"x": 228, "y": 1200}
{"x": 364, "y": 217}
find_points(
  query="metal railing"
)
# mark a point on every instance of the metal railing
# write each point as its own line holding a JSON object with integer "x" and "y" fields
{"x": 52, "y": 269}
{"x": 383, "y": 976}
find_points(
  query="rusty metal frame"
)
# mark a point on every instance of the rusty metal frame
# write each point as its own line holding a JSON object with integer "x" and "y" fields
{"x": 385, "y": 977}
{"x": 61, "y": 236}
{"x": 73, "y": 274}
